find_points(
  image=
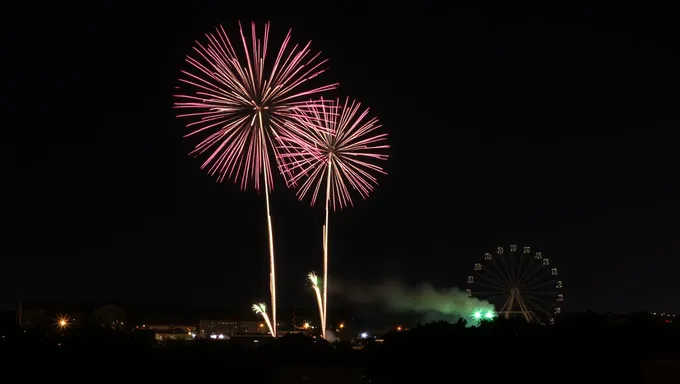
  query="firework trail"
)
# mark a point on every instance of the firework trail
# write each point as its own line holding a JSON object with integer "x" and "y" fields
{"x": 335, "y": 149}
{"x": 314, "y": 279}
{"x": 261, "y": 309}
{"x": 242, "y": 102}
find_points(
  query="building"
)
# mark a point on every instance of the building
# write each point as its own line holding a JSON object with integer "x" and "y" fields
{"x": 164, "y": 332}
{"x": 228, "y": 328}
{"x": 160, "y": 328}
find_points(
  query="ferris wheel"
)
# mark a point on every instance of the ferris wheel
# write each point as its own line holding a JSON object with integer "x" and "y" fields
{"x": 518, "y": 284}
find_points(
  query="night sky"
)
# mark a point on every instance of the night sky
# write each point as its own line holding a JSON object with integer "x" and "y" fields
{"x": 554, "y": 128}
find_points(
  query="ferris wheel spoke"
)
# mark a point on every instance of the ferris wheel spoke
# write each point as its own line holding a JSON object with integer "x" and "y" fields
{"x": 506, "y": 269}
{"x": 531, "y": 273}
{"x": 537, "y": 307}
{"x": 530, "y": 292}
{"x": 539, "y": 280}
{"x": 499, "y": 280}
{"x": 547, "y": 302}
{"x": 509, "y": 258}
{"x": 526, "y": 267}
{"x": 534, "y": 307}
{"x": 552, "y": 298}
{"x": 526, "y": 312}
{"x": 505, "y": 266}
{"x": 516, "y": 263}
{"x": 500, "y": 274}
{"x": 490, "y": 294}
{"x": 492, "y": 297}
{"x": 523, "y": 266}
{"x": 541, "y": 287}
{"x": 507, "y": 305}
{"x": 491, "y": 286}
{"x": 540, "y": 314}
{"x": 516, "y": 267}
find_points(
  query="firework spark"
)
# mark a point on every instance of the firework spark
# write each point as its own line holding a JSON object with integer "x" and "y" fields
{"x": 314, "y": 279}
{"x": 261, "y": 309}
{"x": 62, "y": 322}
{"x": 337, "y": 147}
{"x": 242, "y": 103}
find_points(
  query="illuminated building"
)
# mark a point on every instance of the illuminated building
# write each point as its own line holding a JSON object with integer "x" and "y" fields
{"x": 230, "y": 327}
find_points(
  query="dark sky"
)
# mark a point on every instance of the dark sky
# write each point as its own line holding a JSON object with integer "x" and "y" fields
{"x": 554, "y": 128}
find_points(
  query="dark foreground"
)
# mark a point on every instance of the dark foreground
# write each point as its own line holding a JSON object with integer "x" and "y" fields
{"x": 573, "y": 353}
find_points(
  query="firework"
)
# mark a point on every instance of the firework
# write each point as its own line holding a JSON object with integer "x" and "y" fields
{"x": 62, "y": 322}
{"x": 242, "y": 103}
{"x": 480, "y": 315}
{"x": 338, "y": 147}
{"x": 261, "y": 309}
{"x": 314, "y": 279}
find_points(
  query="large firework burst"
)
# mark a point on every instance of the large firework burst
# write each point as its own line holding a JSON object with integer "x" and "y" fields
{"x": 242, "y": 103}
{"x": 338, "y": 147}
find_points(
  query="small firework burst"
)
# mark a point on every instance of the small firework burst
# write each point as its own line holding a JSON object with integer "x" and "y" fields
{"x": 62, "y": 322}
{"x": 261, "y": 309}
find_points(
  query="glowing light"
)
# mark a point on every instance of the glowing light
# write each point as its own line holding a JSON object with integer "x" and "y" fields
{"x": 335, "y": 147}
{"x": 62, "y": 322}
{"x": 483, "y": 315}
{"x": 399, "y": 329}
{"x": 364, "y": 335}
{"x": 242, "y": 109}
{"x": 341, "y": 326}
{"x": 306, "y": 326}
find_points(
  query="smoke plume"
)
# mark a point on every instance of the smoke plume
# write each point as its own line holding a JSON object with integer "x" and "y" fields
{"x": 423, "y": 299}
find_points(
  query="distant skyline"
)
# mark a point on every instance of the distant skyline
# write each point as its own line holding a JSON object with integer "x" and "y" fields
{"x": 550, "y": 127}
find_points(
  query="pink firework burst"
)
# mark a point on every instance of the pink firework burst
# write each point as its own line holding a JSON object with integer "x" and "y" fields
{"x": 243, "y": 101}
{"x": 244, "y": 105}
{"x": 340, "y": 146}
